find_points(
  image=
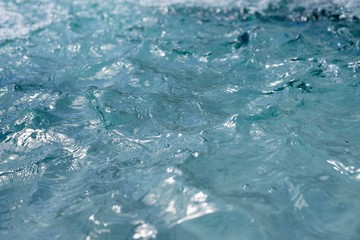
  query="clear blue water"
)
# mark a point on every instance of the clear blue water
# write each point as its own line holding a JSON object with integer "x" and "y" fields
{"x": 179, "y": 120}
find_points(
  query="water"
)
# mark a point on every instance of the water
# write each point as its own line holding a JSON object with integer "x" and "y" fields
{"x": 179, "y": 119}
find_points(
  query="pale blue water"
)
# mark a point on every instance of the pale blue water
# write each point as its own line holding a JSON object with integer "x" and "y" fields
{"x": 179, "y": 120}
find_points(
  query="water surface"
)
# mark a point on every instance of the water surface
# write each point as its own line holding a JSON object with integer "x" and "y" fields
{"x": 179, "y": 120}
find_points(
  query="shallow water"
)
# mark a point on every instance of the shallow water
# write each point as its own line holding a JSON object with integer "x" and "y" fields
{"x": 177, "y": 120}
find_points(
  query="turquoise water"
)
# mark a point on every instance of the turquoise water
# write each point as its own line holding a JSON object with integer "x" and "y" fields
{"x": 179, "y": 120}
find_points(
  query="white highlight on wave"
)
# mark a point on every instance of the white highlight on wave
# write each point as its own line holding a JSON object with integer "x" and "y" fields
{"x": 296, "y": 196}
{"x": 177, "y": 208}
{"x": 144, "y": 231}
{"x": 345, "y": 170}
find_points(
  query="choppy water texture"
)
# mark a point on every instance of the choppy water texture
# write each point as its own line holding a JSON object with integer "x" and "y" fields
{"x": 179, "y": 120}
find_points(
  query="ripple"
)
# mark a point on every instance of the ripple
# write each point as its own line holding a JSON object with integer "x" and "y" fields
{"x": 178, "y": 112}
{"x": 179, "y": 119}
